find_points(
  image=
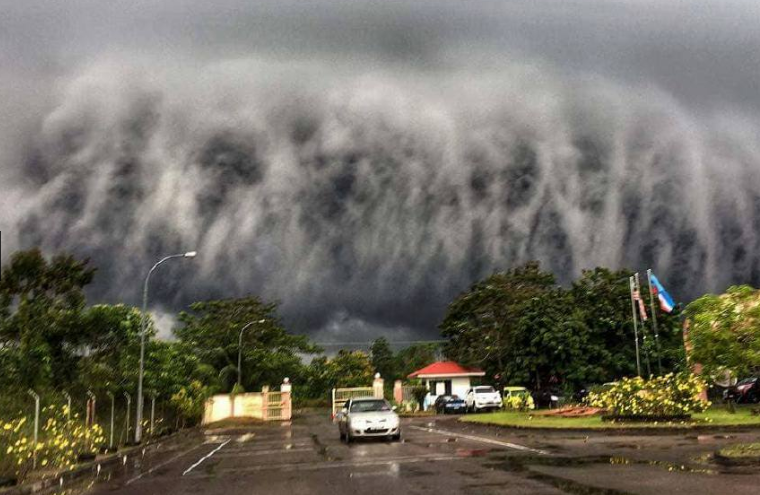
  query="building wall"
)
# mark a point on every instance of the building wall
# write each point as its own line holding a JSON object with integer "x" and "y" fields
{"x": 459, "y": 386}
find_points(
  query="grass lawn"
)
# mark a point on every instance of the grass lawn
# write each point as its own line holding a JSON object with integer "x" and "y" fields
{"x": 741, "y": 451}
{"x": 715, "y": 416}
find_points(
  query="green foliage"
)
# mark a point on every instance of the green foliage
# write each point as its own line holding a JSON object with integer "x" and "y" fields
{"x": 382, "y": 359}
{"x": 662, "y": 396}
{"x": 346, "y": 369}
{"x": 189, "y": 401}
{"x": 724, "y": 331}
{"x": 210, "y": 331}
{"x": 419, "y": 392}
{"x": 40, "y": 306}
{"x": 414, "y": 357}
{"x": 521, "y": 401}
{"x": 523, "y": 329}
{"x": 62, "y": 438}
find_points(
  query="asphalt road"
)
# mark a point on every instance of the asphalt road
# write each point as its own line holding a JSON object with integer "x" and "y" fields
{"x": 436, "y": 455}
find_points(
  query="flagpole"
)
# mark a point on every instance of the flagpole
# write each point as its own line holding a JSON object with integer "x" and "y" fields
{"x": 635, "y": 327}
{"x": 643, "y": 327}
{"x": 654, "y": 320}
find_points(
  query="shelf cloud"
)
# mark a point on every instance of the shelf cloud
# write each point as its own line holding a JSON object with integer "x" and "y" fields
{"x": 364, "y": 162}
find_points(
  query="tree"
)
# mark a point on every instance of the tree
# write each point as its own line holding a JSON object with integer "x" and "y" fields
{"x": 41, "y": 303}
{"x": 523, "y": 329}
{"x": 211, "y": 330}
{"x": 345, "y": 369}
{"x": 481, "y": 324}
{"x": 350, "y": 369}
{"x": 724, "y": 331}
{"x": 414, "y": 357}
{"x": 382, "y": 359}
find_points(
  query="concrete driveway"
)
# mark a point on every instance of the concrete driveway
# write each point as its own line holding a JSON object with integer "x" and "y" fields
{"x": 437, "y": 455}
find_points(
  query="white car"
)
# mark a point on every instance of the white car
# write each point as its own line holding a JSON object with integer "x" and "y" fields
{"x": 482, "y": 398}
{"x": 368, "y": 417}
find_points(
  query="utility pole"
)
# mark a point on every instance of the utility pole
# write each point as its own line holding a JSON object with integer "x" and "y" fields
{"x": 143, "y": 322}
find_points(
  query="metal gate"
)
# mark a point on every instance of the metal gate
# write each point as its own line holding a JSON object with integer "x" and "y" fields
{"x": 277, "y": 406}
{"x": 341, "y": 395}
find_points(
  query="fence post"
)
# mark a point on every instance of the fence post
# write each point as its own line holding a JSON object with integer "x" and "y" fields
{"x": 377, "y": 387}
{"x": 286, "y": 398}
{"x": 265, "y": 402}
{"x": 36, "y": 398}
{"x": 152, "y": 412}
{"x": 113, "y": 406}
{"x": 91, "y": 400}
{"x": 129, "y": 406}
{"x": 68, "y": 405}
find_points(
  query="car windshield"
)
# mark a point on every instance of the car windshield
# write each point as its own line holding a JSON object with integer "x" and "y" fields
{"x": 452, "y": 398}
{"x": 484, "y": 390}
{"x": 747, "y": 380}
{"x": 370, "y": 406}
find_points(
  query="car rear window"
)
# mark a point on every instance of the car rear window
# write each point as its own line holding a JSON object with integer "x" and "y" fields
{"x": 484, "y": 390}
{"x": 370, "y": 406}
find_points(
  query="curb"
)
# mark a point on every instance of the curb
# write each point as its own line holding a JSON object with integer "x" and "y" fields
{"x": 66, "y": 477}
{"x": 622, "y": 430}
{"x": 736, "y": 461}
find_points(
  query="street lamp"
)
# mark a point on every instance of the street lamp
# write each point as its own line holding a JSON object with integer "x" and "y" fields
{"x": 240, "y": 350}
{"x": 143, "y": 321}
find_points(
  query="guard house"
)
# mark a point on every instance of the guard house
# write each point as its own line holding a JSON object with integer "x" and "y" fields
{"x": 446, "y": 378}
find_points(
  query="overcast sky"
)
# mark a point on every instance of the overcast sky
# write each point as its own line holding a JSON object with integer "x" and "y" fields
{"x": 363, "y": 162}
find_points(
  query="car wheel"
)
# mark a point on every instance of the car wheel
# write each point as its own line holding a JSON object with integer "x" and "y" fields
{"x": 396, "y": 437}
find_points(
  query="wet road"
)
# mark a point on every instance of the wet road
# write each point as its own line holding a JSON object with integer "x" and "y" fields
{"x": 436, "y": 456}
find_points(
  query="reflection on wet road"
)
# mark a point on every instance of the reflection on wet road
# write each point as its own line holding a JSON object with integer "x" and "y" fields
{"x": 435, "y": 456}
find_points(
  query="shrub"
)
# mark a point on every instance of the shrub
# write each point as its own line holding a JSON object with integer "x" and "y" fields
{"x": 419, "y": 392}
{"x": 519, "y": 402}
{"x": 61, "y": 440}
{"x": 671, "y": 395}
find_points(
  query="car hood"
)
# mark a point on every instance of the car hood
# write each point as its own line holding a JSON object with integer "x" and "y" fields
{"x": 374, "y": 416}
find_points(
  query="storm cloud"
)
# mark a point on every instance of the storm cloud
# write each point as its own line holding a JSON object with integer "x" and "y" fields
{"x": 362, "y": 162}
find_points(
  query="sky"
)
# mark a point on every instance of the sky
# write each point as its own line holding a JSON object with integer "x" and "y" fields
{"x": 364, "y": 162}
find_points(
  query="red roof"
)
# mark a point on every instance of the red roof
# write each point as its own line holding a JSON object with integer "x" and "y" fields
{"x": 446, "y": 368}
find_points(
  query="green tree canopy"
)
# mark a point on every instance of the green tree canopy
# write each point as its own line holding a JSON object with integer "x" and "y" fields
{"x": 724, "y": 331}
{"x": 522, "y": 328}
{"x": 41, "y": 303}
{"x": 382, "y": 359}
{"x": 414, "y": 357}
{"x": 210, "y": 331}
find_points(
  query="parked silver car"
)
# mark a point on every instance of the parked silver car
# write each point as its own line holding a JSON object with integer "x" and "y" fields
{"x": 368, "y": 417}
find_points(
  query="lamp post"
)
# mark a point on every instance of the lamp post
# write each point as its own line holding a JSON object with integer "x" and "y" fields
{"x": 143, "y": 320}
{"x": 240, "y": 350}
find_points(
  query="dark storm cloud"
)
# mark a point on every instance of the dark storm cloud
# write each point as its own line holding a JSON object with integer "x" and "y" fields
{"x": 364, "y": 161}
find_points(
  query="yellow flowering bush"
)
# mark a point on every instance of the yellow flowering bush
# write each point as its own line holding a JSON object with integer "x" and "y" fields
{"x": 519, "y": 402}
{"x": 60, "y": 441}
{"x": 671, "y": 395}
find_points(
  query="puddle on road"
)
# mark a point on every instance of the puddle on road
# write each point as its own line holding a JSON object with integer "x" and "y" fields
{"x": 523, "y": 463}
{"x": 473, "y": 452}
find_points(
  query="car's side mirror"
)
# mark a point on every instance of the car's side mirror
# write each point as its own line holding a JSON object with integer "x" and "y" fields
{"x": 393, "y": 408}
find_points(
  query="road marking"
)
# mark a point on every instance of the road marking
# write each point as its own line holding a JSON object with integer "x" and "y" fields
{"x": 205, "y": 457}
{"x": 311, "y": 466}
{"x": 149, "y": 471}
{"x": 482, "y": 439}
{"x": 253, "y": 453}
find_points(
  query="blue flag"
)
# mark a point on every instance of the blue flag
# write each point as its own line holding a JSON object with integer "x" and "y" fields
{"x": 666, "y": 302}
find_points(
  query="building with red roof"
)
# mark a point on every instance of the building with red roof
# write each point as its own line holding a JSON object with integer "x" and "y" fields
{"x": 447, "y": 378}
